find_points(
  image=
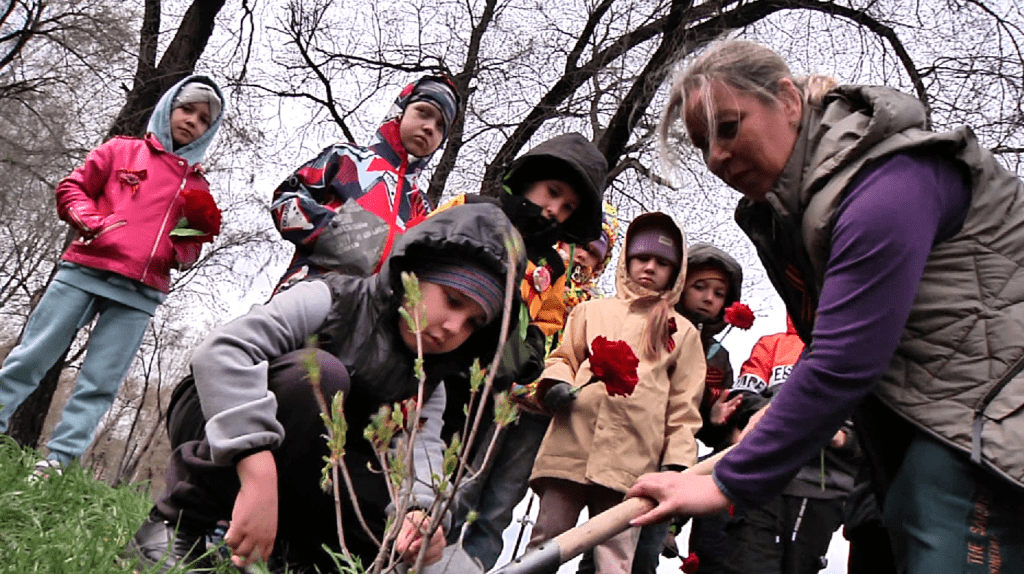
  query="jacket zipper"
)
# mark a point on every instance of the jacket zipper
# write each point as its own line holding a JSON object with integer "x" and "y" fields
{"x": 74, "y": 215}
{"x": 163, "y": 226}
{"x": 399, "y": 193}
{"x": 110, "y": 227}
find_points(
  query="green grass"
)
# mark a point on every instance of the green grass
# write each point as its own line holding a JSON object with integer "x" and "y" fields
{"x": 68, "y": 523}
{"x": 65, "y": 524}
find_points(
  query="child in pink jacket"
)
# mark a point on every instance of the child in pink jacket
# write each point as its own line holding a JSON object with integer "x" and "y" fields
{"x": 124, "y": 201}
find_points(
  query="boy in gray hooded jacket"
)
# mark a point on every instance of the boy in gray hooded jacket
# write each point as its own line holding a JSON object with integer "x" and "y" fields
{"x": 259, "y": 462}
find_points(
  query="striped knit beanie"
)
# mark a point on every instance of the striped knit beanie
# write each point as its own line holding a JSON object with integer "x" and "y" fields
{"x": 479, "y": 284}
{"x": 441, "y": 94}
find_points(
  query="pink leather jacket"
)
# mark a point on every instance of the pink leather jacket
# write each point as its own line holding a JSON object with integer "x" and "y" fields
{"x": 124, "y": 201}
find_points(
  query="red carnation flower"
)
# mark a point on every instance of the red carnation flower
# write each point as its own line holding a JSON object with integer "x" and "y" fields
{"x": 200, "y": 216}
{"x": 739, "y": 315}
{"x": 201, "y": 211}
{"x": 691, "y": 563}
{"x": 614, "y": 364}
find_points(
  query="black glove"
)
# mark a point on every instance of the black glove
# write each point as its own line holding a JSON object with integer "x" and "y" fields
{"x": 559, "y": 398}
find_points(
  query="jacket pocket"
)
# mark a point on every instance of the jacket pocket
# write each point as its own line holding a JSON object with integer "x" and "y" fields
{"x": 103, "y": 232}
{"x": 1009, "y": 400}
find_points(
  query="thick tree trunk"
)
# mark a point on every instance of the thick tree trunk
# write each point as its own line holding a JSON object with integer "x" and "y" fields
{"x": 26, "y": 424}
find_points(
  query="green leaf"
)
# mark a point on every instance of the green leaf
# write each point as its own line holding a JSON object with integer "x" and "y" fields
{"x": 505, "y": 411}
{"x": 417, "y": 369}
{"x": 186, "y": 232}
{"x": 476, "y": 376}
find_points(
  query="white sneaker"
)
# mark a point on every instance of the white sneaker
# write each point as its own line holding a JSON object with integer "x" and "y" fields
{"x": 45, "y": 469}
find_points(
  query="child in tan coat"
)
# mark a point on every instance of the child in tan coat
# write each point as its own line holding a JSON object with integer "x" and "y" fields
{"x": 597, "y": 445}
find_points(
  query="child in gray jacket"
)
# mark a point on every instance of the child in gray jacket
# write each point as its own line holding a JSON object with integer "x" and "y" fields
{"x": 260, "y": 459}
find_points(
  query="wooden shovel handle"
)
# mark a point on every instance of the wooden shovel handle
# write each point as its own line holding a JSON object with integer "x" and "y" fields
{"x": 616, "y": 519}
{"x": 576, "y": 541}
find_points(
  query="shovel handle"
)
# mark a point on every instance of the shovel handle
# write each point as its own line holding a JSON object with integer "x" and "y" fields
{"x": 617, "y": 518}
{"x": 576, "y": 541}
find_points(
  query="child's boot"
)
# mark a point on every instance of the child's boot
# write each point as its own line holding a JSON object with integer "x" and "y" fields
{"x": 159, "y": 542}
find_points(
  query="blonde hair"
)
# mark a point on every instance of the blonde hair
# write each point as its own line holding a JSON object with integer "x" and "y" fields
{"x": 741, "y": 65}
{"x": 656, "y": 332}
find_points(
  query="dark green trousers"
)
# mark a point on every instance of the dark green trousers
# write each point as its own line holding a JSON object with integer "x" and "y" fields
{"x": 946, "y": 515}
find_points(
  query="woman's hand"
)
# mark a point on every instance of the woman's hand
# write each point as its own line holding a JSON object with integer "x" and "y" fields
{"x": 254, "y": 518}
{"x": 677, "y": 494}
{"x": 724, "y": 408}
{"x": 411, "y": 538}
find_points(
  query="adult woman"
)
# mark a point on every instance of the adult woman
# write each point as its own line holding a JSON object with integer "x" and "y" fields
{"x": 899, "y": 248}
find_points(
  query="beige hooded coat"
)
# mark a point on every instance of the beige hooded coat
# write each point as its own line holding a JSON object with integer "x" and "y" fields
{"x": 611, "y": 441}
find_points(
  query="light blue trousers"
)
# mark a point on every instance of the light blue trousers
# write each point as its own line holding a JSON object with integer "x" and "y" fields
{"x": 64, "y": 310}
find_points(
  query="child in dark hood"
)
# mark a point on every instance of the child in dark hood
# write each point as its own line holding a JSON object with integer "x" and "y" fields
{"x": 714, "y": 281}
{"x": 123, "y": 202}
{"x": 344, "y": 209}
{"x": 550, "y": 193}
{"x": 259, "y": 462}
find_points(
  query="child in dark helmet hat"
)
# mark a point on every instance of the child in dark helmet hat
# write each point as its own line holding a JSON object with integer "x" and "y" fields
{"x": 344, "y": 209}
{"x": 259, "y": 461}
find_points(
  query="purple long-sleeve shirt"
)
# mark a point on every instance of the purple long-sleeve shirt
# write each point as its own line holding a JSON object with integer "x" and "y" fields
{"x": 885, "y": 229}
